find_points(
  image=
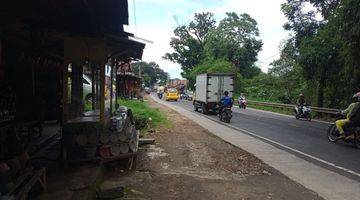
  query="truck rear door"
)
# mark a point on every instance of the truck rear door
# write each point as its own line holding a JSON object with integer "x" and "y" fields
{"x": 217, "y": 85}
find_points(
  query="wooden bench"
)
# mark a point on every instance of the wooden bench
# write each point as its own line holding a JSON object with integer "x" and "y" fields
{"x": 26, "y": 181}
{"x": 30, "y": 129}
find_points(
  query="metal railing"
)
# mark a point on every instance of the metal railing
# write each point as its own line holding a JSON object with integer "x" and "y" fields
{"x": 291, "y": 106}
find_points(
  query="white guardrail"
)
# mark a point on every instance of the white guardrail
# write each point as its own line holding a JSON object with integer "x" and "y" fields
{"x": 290, "y": 106}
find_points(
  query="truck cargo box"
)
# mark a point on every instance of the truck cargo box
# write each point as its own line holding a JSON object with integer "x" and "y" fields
{"x": 211, "y": 87}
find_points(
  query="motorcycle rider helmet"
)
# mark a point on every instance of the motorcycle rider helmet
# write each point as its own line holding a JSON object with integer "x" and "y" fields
{"x": 226, "y": 93}
{"x": 356, "y": 97}
{"x": 301, "y": 95}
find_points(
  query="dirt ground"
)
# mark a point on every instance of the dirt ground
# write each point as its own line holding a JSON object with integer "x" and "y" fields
{"x": 186, "y": 162}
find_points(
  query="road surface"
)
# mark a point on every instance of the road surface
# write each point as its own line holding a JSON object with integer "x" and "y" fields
{"x": 302, "y": 138}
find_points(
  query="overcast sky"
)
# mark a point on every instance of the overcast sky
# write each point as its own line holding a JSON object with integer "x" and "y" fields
{"x": 155, "y": 21}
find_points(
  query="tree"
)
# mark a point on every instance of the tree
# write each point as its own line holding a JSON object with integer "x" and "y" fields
{"x": 288, "y": 72}
{"x": 348, "y": 21}
{"x": 211, "y": 65}
{"x": 189, "y": 40}
{"x": 151, "y": 73}
{"x": 236, "y": 40}
{"x": 302, "y": 23}
{"x": 327, "y": 47}
{"x": 263, "y": 87}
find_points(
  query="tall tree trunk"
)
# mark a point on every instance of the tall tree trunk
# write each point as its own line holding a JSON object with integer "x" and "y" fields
{"x": 320, "y": 95}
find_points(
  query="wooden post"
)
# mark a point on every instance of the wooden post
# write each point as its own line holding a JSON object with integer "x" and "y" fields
{"x": 77, "y": 106}
{"x": 102, "y": 93}
{"x": 80, "y": 89}
{"x": 74, "y": 90}
{"x": 111, "y": 88}
{"x": 97, "y": 88}
{"x": 2, "y": 71}
{"x": 93, "y": 83}
{"x": 117, "y": 85}
{"x": 65, "y": 76}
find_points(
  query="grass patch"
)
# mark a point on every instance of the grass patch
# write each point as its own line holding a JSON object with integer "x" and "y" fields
{"x": 87, "y": 106}
{"x": 272, "y": 109}
{"x": 314, "y": 115}
{"x": 142, "y": 112}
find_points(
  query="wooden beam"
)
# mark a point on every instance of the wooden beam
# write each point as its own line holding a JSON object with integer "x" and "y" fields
{"x": 111, "y": 88}
{"x": 117, "y": 86}
{"x": 64, "y": 102}
{"x": 97, "y": 81}
{"x": 93, "y": 83}
{"x": 102, "y": 93}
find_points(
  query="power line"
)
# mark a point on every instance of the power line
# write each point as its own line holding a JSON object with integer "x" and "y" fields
{"x": 176, "y": 19}
{"x": 135, "y": 17}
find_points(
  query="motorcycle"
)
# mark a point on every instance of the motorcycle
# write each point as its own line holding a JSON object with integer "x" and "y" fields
{"x": 334, "y": 134}
{"x": 225, "y": 114}
{"x": 303, "y": 112}
{"x": 160, "y": 95}
{"x": 242, "y": 103}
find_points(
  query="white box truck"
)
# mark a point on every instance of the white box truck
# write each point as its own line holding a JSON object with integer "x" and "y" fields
{"x": 210, "y": 88}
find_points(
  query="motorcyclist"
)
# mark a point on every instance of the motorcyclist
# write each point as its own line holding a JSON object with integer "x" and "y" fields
{"x": 160, "y": 91}
{"x": 242, "y": 97}
{"x": 226, "y": 101}
{"x": 301, "y": 102}
{"x": 352, "y": 113}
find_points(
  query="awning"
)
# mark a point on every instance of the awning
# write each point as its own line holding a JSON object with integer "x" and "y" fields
{"x": 128, "y": 76}
{"x": 124, "y": 48}
{"x": 71, "y": 16}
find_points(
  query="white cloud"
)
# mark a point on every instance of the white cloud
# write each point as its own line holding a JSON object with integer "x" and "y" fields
{"x": 270, "y": 20}
{"x": 160, "y": 36}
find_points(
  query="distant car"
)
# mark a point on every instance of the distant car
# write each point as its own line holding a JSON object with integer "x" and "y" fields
{"x": 172, "y": 94}
{"x": 189, "y": 96}
{"x": 183, "y": 96}
{"x": 88, "y": 96}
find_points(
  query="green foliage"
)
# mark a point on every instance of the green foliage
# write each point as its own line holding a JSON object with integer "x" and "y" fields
{"x": 213, "y": 66}
{"x": 142, "y": 111}
{"x": 321, "y": 58}
{"x": 189, "y": 40}
{"x": 263, "y": 87}
{"x": 151, "y": 72}
{"x": 324, "y": 51}
{"x": 236, "y": 40}
{"x": 201, "y": 42}
{"x": 87, "y": 106}
{"x": 272, "y": 109}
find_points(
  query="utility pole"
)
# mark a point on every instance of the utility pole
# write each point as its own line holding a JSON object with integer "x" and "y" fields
{"x": 139, "y": 71}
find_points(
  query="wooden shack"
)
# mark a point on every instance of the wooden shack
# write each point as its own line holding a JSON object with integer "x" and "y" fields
{"x": 44, "y": 48}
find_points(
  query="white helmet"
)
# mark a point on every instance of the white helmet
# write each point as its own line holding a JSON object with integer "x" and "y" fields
{"x": 356, "y": 97}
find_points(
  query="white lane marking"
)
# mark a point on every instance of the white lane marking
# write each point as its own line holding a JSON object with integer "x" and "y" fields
{"x": 281, "y": 145}
{"x": 279, "y": 114}
{"x": 290, "y": 149}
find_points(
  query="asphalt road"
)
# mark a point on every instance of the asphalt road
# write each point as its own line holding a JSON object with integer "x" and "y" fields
{"x": 307, "y": 137}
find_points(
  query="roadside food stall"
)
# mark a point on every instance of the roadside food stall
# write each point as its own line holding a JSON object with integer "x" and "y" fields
{"x": 44, "y": 48}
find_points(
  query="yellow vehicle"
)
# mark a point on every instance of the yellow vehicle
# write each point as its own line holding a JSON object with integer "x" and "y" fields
{"x": 172, "y": 94}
